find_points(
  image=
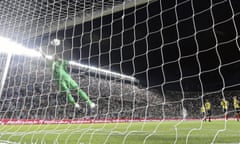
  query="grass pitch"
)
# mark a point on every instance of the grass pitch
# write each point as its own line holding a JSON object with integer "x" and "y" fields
{"x": 162, "y": 132}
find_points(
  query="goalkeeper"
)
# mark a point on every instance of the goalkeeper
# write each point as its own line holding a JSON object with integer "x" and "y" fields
{"x": 65, "y": 81}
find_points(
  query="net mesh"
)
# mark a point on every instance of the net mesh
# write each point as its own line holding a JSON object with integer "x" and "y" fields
{"x": 137, "y": 60}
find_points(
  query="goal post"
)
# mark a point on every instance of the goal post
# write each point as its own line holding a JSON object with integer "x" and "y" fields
{"x": 4, "y": 70}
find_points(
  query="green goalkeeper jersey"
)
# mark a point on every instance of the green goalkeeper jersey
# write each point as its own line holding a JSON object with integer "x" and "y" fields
{"x": 59, "y": 68}
{"x": 66, "y": 83}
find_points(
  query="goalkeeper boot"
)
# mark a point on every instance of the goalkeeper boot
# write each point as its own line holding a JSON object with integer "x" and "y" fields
{"x": 92, "y": 105}
{"x": 76, "y": 105}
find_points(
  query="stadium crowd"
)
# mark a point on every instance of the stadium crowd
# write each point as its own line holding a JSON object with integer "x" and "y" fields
{"x": 31, "y": 93}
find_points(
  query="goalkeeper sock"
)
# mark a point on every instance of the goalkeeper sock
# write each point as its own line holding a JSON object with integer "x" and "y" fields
{"x": 84, "y": 96}
{"x": 70, "y": 98}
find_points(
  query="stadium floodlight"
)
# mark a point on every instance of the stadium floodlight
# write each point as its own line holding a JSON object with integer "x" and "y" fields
{"x": 103, "y": 71}
{"x": 10, "y": 47}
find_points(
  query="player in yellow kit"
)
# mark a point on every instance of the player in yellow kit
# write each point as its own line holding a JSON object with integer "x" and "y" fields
{"x": 236, "y": 107}
{"x": 224, "y": 104}
{"x": 208, "y": 109}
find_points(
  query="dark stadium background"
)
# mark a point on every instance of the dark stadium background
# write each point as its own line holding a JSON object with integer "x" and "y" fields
{"x": 159, "y": 44}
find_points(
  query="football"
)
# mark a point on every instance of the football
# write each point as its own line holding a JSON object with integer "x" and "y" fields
{"x": 55, "y": 42}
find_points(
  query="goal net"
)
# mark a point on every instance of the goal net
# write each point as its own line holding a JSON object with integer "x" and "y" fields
{"x": 137, "y": 71}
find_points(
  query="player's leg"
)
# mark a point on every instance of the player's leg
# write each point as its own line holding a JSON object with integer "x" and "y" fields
{"x": 204, "y": 116}
{"x": 81, "y": 93}
{"x": 209, "y": 115}
{"x": 237, "y": 114}
{"x": 225, "y": 114}
{"x": 66, "y": 90}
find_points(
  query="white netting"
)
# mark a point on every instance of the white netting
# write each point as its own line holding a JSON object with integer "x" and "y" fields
{"x": 137, "y": 60}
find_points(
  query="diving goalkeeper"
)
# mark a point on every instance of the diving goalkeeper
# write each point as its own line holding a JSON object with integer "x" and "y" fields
{"x": 65, "y": 81}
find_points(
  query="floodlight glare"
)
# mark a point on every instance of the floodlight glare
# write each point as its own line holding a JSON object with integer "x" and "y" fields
{"x": 13, "y": 48}
{"x": 10, "y": 47}
{"x": 103, "y": 71}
